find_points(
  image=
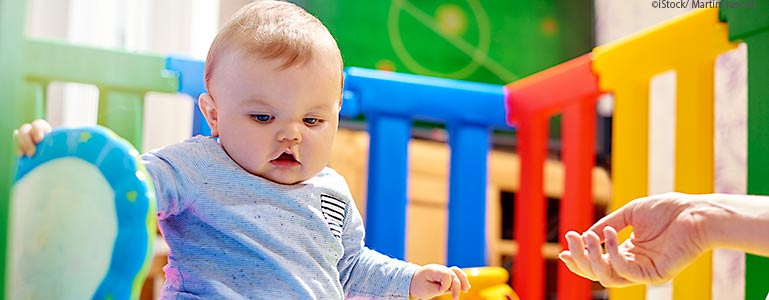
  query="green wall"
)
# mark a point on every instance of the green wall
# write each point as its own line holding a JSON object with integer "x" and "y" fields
{"x": 490, "y": 41}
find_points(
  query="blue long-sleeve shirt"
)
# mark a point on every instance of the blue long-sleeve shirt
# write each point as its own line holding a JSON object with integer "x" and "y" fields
{"x": 234, "y": 235}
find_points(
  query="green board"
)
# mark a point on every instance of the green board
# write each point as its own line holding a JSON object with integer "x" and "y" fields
{"x": 493, "y": 41}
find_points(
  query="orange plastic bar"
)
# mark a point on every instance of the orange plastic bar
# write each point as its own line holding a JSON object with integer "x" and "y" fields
{"x": 689, "y": 45}
{"x": 570, "y": 88}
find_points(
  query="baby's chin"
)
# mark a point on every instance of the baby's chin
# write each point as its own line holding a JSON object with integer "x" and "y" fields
{"x": 285, "y": 182}
{"x": 286, "y": 176}
{"x": 285, "y": 179}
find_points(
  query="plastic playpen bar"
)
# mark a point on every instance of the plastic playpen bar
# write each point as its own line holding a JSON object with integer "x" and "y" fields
{"x": 752, "y": 27}
{"x": 190, "y": 74}
{"x": 571, "y": 89}
{"x": 390, "y": 102}
{"x": 11, "y": 33}
{"x": 121, "y": 77}
{"x": 689, "y": 45}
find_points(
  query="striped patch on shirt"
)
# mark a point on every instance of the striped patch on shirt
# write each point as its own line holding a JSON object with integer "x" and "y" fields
{"x": 333, "y": 210}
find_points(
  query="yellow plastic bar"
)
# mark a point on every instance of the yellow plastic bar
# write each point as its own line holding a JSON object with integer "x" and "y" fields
{"x": 630, "y": 158}
{"x": 694, "y": 170}
{"x": 689, "y": 45}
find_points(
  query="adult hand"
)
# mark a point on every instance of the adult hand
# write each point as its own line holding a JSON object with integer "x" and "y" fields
{"x": 667, "y": 236}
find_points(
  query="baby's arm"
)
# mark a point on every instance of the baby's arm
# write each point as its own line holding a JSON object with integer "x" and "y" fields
{"x": 366, "y": 272}
{"x": 30, "y": 134}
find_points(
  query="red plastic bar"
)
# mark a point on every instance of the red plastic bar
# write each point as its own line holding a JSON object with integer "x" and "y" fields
{"x": 570, "y": 88}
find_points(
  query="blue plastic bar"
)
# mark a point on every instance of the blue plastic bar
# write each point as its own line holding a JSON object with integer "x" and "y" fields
{"x": 467, "y": 195}
{"x": 390, "y": 101}
{"x": 350, "y": 105}
{"x": 387, "y": 184}
{"x": 190, "y": 74}
{"x": 426, "y": 98}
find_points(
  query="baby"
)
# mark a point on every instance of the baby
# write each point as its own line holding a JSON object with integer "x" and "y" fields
{"x": 256, "y": 213}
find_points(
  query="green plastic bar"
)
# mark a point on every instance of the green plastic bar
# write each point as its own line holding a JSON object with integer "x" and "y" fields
{"x": 123, "y": 113}
{"x": 745, "y": 21}
{"x": 12, "y": 18}
{"x": 117, "y": 70}
{"x": 34, "y": 105}
{"x": 751, "y": 25}
{"x": 756, "y": 281}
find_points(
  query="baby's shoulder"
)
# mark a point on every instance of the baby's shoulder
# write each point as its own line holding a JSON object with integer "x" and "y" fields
{"x": 198, "y": 153}
{"x": 330, "y": 179}
{"x": 327, "y": 176}
{"x": 193, "y": 146}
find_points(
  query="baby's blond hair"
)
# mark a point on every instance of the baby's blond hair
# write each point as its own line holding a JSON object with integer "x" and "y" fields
{"x": 272, "y": 30}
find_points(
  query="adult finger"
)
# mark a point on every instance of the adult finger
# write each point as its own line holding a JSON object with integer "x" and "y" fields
{"x": 618, "y": 219}
{"x": 579, "y": 254}
{"x": 620, "y": 262}
{"x": 568, "y": 260}
{"x": 598, "y": 264}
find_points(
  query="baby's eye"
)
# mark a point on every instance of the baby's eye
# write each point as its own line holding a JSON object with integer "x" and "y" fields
{"x": 262, "y": 117}
{"x": 311, "y": 121}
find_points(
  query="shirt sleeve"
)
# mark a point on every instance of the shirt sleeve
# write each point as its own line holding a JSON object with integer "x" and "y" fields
{"x": 175, "y": 171}
{"x": 366, "y": 273}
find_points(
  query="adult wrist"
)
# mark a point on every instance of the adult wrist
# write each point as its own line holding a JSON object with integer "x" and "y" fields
{"x": 714, "y": 218}
{"x": 726, "y": 221}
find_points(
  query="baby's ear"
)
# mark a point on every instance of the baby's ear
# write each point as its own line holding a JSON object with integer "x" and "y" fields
{"x": 208, "y": 108}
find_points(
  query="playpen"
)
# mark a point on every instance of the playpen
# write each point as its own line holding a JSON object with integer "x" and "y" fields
{"x": 390, "y": 102}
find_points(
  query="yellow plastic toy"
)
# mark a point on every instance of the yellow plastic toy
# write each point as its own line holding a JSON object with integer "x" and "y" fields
{"x": 487, "y": 283}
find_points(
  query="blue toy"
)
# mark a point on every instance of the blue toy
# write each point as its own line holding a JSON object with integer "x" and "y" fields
{"x": 82, "y": 219}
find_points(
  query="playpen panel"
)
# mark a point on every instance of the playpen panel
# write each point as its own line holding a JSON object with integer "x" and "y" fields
{"x": 689, "y": 46}
{"x": 571, "y": 89}
{"x": 469, "y": 111}
{"x": 123, "y": 78}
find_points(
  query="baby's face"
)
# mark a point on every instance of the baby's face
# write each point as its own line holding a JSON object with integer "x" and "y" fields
{"x": 277, "y": 124}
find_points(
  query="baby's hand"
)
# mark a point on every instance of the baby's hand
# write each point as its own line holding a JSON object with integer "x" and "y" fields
{"x": 29, "y": 135}
{"x": 433, "y": 280}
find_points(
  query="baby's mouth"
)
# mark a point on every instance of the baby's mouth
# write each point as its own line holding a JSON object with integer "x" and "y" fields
{"x": 285, "y": 160}
{"x": 286, "y": 157}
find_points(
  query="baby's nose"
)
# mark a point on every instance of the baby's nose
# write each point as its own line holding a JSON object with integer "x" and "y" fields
{"x": 291, "y": 133}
